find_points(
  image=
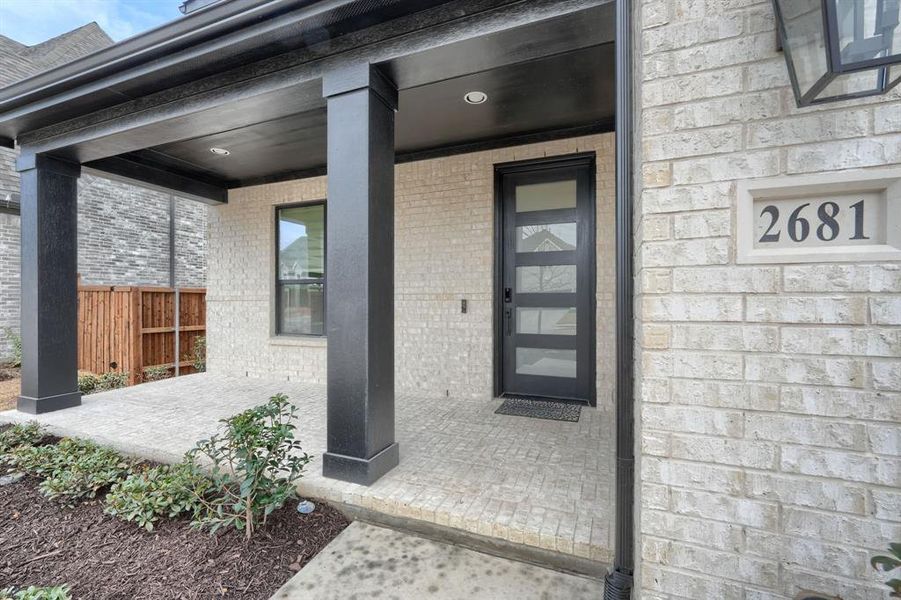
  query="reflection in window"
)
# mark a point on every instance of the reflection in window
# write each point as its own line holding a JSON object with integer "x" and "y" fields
{"x": 546, "y": 362}
{"x": 546, "y": 321}
{"x": 550, "y": 237}
{"x": 546, "y": 196}
{"x": 300, "y": 280}
{"x": 546, "y": 279}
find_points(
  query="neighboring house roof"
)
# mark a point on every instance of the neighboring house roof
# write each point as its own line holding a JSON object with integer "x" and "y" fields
{"x": 543, "y": 241}
{"x": 18, "y": 62}
{"x": 67, "y": 47}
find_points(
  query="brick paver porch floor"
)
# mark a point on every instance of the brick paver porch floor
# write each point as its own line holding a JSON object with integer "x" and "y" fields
{"x": 546, "y": 484}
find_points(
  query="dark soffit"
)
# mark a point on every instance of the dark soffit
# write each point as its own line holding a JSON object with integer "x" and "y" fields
{"x": 563, "y": 93}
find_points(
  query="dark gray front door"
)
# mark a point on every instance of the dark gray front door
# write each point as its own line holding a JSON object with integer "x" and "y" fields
{"x": 546, "y": 294}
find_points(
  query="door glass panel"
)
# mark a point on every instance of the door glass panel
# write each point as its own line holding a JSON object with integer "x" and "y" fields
{"x": 546, "y": 279}
{"x": 546, "y": 196}
{"x": 546, "y": 321}
{"x": 545, "y": 361}
{"x": 550, "y": 237}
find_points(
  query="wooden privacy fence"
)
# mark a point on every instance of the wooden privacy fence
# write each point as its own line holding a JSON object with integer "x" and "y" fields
{"x": 129, "y": 329}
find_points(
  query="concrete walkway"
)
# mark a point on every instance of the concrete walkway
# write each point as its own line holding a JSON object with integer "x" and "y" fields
{"x": 366, "y": 561}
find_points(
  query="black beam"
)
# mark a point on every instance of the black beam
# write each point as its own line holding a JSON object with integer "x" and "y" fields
{"x": 619, "y": 582}
{"x": 49, "y": 293}
{"x": 360, "y": 263}
{"x": 153, "y": 177}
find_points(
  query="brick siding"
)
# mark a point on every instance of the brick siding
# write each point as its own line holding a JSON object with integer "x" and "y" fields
{"x": 768, "y": 395}
{"x": 444, "y": 215}
{"x": 123, "y": 239}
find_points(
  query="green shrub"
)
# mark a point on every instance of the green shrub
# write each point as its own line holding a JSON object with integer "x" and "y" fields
{"x": 255, "y": 461}
{"x": 21, "y": 434}
{"x": 56, "y": 592}
{"x": 73, "y": 470}
{"x": 16, "y": 340}
{"x": 198, "y": 354}
{"x": 156, "y": 373}
{"x": 163, "y": 491}
{"x": 88, "y": 383}
{"x": 887, "y": 564}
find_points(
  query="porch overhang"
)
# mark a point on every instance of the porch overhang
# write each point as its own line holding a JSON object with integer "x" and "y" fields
{"x": 148, "y": 109}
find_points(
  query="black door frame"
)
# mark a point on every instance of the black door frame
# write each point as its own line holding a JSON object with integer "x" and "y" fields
{"x": 577, "y": 160}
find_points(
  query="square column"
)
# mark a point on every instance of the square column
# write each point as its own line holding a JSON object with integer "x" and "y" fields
{"x": 49, "y": 224}
{"x": 360, "y": 289}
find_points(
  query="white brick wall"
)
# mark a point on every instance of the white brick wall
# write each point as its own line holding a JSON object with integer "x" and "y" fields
{"x": 769, "y": 401}
{"x": 444, "y": 211}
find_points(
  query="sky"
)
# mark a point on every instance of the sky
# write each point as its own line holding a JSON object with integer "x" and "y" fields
{"x": 33, "y": 21}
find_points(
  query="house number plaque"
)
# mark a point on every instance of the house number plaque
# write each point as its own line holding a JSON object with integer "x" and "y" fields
{"x": 852, "y": 216}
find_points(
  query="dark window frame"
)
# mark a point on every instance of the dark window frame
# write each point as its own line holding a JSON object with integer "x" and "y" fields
{"x": 279, "y": 282}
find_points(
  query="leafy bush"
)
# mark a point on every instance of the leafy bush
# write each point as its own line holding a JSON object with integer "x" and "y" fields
{"x": 198, "y": 354}
{"x": 255, "y": 461}
{"x": 56, "y": 592}
{"x": 888, "y": 564}
{"x": 163, "y": 491}
{"x": 88, "y": 383}
{"x": 21, "y": 434}
{"x": 16, "y": 341}
{"x": 73, "y": 470}
{"x": 156, "y": 373}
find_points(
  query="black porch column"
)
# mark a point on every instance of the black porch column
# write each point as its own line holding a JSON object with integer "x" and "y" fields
{"x": 49, "y": 284}
{"x": 360, "y": 259}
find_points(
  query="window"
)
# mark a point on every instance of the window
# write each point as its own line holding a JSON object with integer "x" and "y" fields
{"x": 300, "y": 277}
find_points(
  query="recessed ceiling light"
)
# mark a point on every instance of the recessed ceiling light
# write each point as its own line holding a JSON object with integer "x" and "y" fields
{"x": 475, "y": 97}
{"x": 220, "y": 151}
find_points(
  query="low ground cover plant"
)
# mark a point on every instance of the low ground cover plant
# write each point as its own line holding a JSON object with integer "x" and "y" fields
{"x": 16, "y": 342}
{"x": 161, "y": 491}
{"x": 88, "y": 383}
{"x": 72, "y": 470}
{"x": 156, "y": 373}
{"x": 21, "y": 434}
{"x": 255, "y": 462}
{"x": 198, "y": 354}
{"x": 33, "y": 592}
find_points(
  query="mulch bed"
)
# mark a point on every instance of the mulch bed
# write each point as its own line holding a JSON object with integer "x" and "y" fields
{"x": 100, "y": 557}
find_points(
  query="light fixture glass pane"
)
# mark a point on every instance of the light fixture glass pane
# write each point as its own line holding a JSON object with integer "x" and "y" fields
{"x": 301, "y": 308}
{"x": 847, "y": 84}
{"x": 546, "y": 321}
{"x": 868, "y": 29}
{"x": 546, "y": 196}
{"x": 301, "y": 242}
{"x": 546, "y": 362}
{"x": 804, "y": 40}
{"x": 546, "y": 279}
{"x": 550, "y": 237}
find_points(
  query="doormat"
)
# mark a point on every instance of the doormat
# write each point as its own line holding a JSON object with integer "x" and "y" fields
{"x": 540, "y": 409}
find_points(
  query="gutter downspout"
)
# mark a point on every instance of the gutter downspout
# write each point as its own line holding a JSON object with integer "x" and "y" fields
{"x": 618, "y": 583}
{"x": 173, "y": 283}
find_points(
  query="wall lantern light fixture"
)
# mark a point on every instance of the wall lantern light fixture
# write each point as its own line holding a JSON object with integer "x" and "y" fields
{"x": 840, "y": 49}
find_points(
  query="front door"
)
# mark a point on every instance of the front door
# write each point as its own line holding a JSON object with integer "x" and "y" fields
{"x": 546, "y": 292}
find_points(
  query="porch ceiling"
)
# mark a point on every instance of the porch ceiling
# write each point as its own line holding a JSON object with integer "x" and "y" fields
{"x": 554, "y": 94}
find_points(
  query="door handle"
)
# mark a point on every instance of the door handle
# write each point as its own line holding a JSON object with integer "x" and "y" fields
{"x": 508, "y": 295}
{"x": 508, "y": 320}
